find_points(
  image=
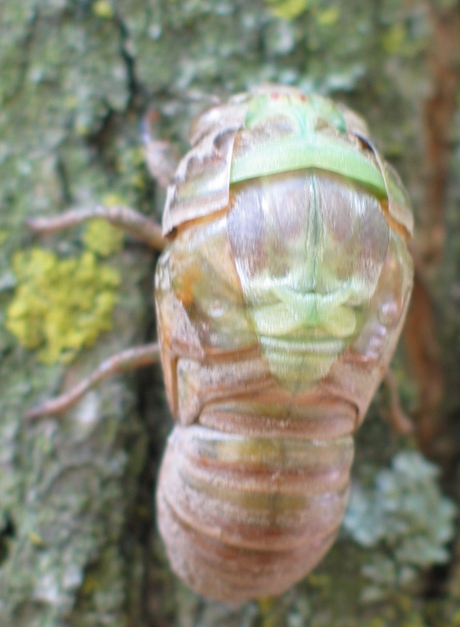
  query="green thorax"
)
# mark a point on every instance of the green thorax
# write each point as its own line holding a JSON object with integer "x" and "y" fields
{"x": 292, "y": 131}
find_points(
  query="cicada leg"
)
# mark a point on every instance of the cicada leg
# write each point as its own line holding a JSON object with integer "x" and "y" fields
{"x": 396, "y": 415}
{"x": 129, "y": 359}
{"x": 125, "y": 218}
{"x": 162, "y": 157}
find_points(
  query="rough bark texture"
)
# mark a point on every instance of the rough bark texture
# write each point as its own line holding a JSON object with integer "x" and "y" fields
{"x": 78, "y": 545}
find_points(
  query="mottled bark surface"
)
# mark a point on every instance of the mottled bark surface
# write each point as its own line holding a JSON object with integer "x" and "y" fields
{"x": 78, "y": 545}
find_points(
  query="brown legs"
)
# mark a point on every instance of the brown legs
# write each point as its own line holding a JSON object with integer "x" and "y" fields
{"x": 129, "y": 359}
{"x": 396, "y": 416}
{"x": 125, "y": 218}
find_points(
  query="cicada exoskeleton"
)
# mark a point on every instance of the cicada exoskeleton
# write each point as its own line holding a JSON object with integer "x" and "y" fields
{"x": 280, "y": 301}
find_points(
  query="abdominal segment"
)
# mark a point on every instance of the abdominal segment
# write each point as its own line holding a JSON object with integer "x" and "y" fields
{"x": 245, "y": 517}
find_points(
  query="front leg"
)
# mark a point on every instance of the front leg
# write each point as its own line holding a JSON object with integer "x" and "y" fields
{"x": 127, "y": 219}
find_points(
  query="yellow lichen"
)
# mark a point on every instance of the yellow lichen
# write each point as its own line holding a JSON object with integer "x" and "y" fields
{"x": 60, "y": 305}
{"x": 102, "y": 238}
{"x": 376, "y": 621}
{"x": 103, "y": 9}
{"x": 112, "y": 200}
{"x": 320, "y": 581}
{"x": 288, "y": 9}
{"x": 394, "y": 38}
{"x": 36, "y": 539}
{"x": 268, "y": 617}
{"x": 328, "y": 17}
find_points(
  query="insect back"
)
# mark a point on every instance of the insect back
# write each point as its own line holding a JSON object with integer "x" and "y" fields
{"x": 280, "y": 301}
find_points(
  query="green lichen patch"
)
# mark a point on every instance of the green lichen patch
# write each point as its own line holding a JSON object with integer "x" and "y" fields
{"x": 287, "y": 9}
{"x": 60, "y": 305}
{"x": 103, "y": 9}
{"x": 405, "y": 520}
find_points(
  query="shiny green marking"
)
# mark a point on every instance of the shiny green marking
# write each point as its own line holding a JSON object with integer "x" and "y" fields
{"x": 307, "y": 145}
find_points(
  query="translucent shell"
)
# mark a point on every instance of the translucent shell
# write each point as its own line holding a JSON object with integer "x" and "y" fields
{"x": 280, "y": 301}
{"x": 276, "y": 129}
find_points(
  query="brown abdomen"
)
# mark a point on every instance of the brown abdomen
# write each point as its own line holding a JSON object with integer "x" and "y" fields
{"x": 247, "y": 516}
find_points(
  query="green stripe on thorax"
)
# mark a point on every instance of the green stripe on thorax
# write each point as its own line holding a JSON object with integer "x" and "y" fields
{"x": 315, "y": 135}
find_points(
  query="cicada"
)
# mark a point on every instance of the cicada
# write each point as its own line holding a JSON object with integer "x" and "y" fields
{"x": 280, "y": 298}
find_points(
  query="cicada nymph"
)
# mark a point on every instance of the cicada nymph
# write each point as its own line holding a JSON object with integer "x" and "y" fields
{"x": 280, "y": 301}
